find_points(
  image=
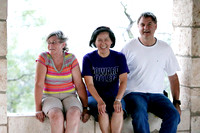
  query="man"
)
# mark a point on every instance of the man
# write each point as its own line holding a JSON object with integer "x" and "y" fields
{"x": 148, "y": 60}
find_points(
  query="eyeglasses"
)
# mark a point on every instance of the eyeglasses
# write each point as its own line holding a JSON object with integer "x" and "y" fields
{"x": 54, "y": 42}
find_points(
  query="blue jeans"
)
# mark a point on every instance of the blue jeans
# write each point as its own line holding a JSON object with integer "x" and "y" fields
{"x": 139, "y": 104}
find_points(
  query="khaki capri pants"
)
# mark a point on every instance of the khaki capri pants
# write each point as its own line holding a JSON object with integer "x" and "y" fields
{"x": 63, "y": 101}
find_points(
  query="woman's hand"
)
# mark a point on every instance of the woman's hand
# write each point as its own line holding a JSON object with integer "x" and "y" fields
{"x": 117, "y": 106}
{"x": 101, "y": 107}
{"x": 40, "y": 116}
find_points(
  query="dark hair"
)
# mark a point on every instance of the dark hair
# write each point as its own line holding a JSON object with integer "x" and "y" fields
{"x": 99, "y": 30}
{"x": 59, "y": 34}
{"x": 146, "y": 15}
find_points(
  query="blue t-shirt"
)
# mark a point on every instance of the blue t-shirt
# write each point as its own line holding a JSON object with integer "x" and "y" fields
{"x": 105, "y": 71}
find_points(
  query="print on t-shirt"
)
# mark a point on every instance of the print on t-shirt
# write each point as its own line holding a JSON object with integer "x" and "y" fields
{"x": 105, "y": 74}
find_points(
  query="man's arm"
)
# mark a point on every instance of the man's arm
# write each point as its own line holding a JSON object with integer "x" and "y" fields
{"x": 175, "y": 90}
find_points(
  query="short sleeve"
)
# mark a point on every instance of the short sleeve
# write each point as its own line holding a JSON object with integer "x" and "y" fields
{"x": 43, "y": 58}
{"x": 86, "y": 66}
{"x": 123, "y": 64}
{"x": 74, "y": 61}
{"x": 71, "y": 60}
{"x": 171, "y": 64}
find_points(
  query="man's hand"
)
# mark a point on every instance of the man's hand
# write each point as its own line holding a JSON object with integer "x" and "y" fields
{"x": 85, "y": 115}
{"x": 177, "y": 106}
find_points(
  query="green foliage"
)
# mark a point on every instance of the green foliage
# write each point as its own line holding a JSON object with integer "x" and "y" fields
{"x": 21, "y": 71}
{"x": 20, "y": 61}
{"x": 30, "y": 18}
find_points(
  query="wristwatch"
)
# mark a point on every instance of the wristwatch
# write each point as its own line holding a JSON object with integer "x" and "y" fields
{"x": 177, "y": 102}
{"x": 86, "y": 108}
{"x": 118, "y": 100}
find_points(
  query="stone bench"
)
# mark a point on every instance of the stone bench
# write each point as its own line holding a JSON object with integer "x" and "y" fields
{"x": 27, "y": 123}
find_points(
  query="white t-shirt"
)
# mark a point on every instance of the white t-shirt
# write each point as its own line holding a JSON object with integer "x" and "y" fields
{"x": 148, "y": 65}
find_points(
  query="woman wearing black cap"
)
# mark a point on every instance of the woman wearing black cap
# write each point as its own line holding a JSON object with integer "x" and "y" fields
{"x": 105, "y": 73}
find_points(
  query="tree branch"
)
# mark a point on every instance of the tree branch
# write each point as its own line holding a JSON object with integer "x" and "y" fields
{"x": 128, "y": 29}
{"x": 23, "y": 75}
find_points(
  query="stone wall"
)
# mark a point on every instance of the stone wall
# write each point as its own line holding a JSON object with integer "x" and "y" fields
{"x": 186, "y": 44}
{"x": 3, "y": 66}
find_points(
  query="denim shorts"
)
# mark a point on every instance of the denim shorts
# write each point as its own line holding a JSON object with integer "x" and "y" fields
{"x": 92, "y": 103}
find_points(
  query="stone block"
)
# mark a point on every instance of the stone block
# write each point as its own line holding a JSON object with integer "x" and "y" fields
{"x": 3, "y": 9}
{"x": 187, "y": 16}
{"x": 3, "y": 38}
{"x": 3, "y": 129}
{"x": 195, "y": 75}
{"x": 97, "y": 128}
{"x": 154, "y": 124}
{"x": 185, "y": 120}
{"x": 196, "y": 41}
{"x": 185, "y": 41}
{"x": 181, "y": 41}
{"x": 195, "y": 98}
{"x": 195, "y": 124}
{"x": 87, "y": 127}
{"x": 189, "y": 74}
{"x": 3, "y": 109}
{"x": 185, "y": 73}
{"x": 127, "y": 127}
{"x": 182, "y": 16}
{"x": 3, "y": 74}
{"x": 196, "y": 12}
{"x": 28, "y": 124}
{"x": 185, "y": 98}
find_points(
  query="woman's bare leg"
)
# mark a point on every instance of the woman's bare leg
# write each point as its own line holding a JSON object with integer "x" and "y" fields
{"x": 117, "y": 122}
{"x": 73, "y": 120}
{"x": 104, "y": 123}
{"x": 56, "y": 120}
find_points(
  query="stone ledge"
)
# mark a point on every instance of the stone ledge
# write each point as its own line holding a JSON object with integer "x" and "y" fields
{"x": 26, "y": 123}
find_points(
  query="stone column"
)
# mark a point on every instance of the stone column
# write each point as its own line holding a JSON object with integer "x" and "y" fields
{"x": 3, "y": 66}
{"x": 186, "y": 44}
